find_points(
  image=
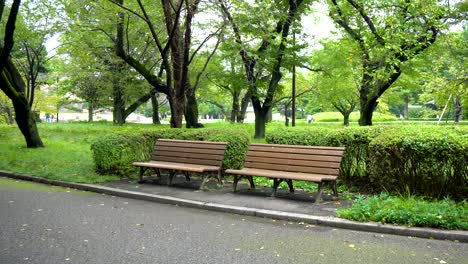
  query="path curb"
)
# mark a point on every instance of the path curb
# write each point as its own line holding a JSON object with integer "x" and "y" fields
{"x": 461, "y": 236}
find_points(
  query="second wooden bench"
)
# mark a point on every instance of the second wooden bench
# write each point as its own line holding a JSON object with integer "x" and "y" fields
{"x": 320, "y": 165}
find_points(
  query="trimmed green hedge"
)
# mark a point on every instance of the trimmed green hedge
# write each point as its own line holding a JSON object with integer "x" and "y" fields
{"x": 116, "y": 152}
{"x": 424, "y": 160}
{"x": 353, "y": 117}
{"x": 432, "y": 161}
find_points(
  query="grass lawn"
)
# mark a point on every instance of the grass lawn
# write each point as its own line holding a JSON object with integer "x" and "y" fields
{"x": 66, "y": 157}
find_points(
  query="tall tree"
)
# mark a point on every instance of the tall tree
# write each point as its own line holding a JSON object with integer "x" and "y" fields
{"x": 11, "y": 82}
{"x": 337, "y": 84}
{"x": 445, "y": 72}
{"x": 173, "y": 46}
{"x": 388, "y": 34}
{"x": 271, "y": 52}
{"x": 96, "y": 53}
{"x": 36, "y": 23}
{"x": 227, "y": 75}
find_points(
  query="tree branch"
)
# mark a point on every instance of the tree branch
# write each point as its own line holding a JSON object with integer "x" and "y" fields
{"x": 197, "y": 82}
{"x": 2, "y": 7}
{"x": 127, "y": 9}
{"x": 368, "y": 21}
{"x": 8, "y": 41}
{"x": 204, "y": 41}
{"x": 342, "y": 22}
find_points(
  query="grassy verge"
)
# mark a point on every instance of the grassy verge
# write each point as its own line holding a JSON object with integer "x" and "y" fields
{"x": 408, "y": 211}
{"x": 66, "y": 157}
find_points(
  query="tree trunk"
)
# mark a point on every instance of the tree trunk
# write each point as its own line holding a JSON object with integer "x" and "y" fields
{"x": 119, "y": 105}
{"x": 269, "y": 115}
{"x": 366, "y": 115}
{"x": 90, "y": 113}
{"x": 245, "y": 103}
{"x": 458, "y": 110}
{"x": 260, "y": 121}
{"x": 286, "y": 119}
{"x": 13, "y": 86}
{"x": 27, "y": 124}
{"x": 57, "y": 115}
{"x": 346, "y": 118}
{"x": 367, "y": 107}
{"x": 176, "y": 105}
{"x": 191, "y": 110}
{"x": 235, "y": 107}
{"x": 155, "y": 107}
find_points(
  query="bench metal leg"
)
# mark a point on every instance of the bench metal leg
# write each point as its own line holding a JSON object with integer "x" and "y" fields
{"x": 220, "y": 181}
{"x": 252, "y": 183}
{"x": 318, "y": 196}
{"x": 335, "y": 189}
{"x": 205, "y": 179}
{"x": 171, "y": 176}
{"x": 234, "y": 183}
{"x": 142, "y": 171}
{"x": 187, "y": 176}
{"x": 158, "y": 173}
{"x": 290, "y": 185}
{"x": 276, "y": 183}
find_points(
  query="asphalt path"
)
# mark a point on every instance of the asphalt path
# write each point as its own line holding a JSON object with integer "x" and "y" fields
{"x": 45, "y": 224}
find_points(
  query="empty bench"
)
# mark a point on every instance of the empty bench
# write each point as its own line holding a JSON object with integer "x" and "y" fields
{"x": 186, "y": 156}
{"x": 320, "y": 165}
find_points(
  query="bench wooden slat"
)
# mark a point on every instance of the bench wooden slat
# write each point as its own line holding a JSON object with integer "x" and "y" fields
{"x": 176, "y": 166}
{"x": 311, "y": 150}
{"x": 291, "y": 168}
{"x": 282, "y": 175}
{"x": 219, "y": 152}
{"x": 293, "y": 156}
{"x": 294, "y": 162}
{"x": 158, "y": 154}
{"x": 261, "y": 145}
{"x": 197, "y": 145}
{"x": 192, "y": 141}
{"x": 200, "y": 161}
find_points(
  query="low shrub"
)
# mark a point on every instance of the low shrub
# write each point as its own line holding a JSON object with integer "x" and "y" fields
{"x": 423, "y": 160}
{"x": 409, "y": 211}
{"x": 427, "y": 161}
{"x": 353, "y": 117}
{"x": 116, "y": 152}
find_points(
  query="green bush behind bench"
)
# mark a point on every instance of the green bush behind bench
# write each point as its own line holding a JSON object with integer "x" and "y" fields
{"x": 116, "y": 152}
{"x": 425, "y": 160}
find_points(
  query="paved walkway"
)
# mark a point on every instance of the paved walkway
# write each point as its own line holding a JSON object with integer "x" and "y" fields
{"x": 43, "y": 224}
{"x": 297, "y": 207}
{"x": 299, "y": 202}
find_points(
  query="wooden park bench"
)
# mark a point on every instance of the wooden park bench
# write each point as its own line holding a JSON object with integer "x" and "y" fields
{"x": 186, "y": 156}
{"x": 320, "y": 165}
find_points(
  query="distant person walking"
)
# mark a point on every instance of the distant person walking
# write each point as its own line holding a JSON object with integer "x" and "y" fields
{"x": 310, "y": 119}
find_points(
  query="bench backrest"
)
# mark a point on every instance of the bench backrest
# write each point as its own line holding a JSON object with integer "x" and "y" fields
{"x": 189, "y": 152}
{"x": 294, "y": 158}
